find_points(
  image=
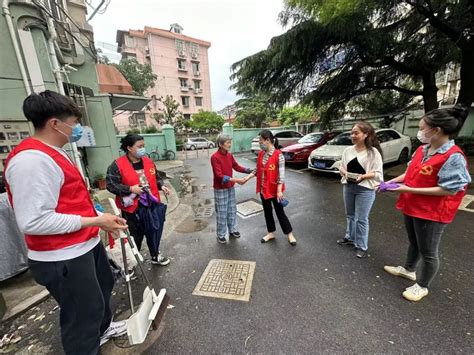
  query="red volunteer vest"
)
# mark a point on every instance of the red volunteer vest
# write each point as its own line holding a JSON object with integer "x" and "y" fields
{"x": 130, "y": 177}
{"x": 270, "y": 174}
{"x": 73, "y": 199}
{"x": 434, "y": 208}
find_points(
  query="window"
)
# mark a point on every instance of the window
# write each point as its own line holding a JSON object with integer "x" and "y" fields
{"x": 295, "y": 135}
{"x": 13, "y": 135}
{"x": 4, "y": 149}
{"x": 187, "y": 116}
{"x": 384, "y": 136}
{"x": 393, "y": 134}
{"x": 311, "y": 138}
{"x": 195, "y": 67}
{"x": 342, "y": 139}
{"x": 198, "y": 101}
{"x": 181, "y": 64}
{"x": 284, "y": 134}
{"x": 197, "y": 84}
{"x": 2, "y": 136}
{"x": 183, "y": 82}
{"x": 130, "y": 42}
{"x": 24, "y": 135}
{"x": 185, "y": 101}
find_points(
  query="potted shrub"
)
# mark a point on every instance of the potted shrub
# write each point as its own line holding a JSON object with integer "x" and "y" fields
{"x": 100, "y": 181}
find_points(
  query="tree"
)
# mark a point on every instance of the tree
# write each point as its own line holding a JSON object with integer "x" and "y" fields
{"x": 101, "y": 57}
{"x": 206, "y": 120}
{"x": 338, "y": 50}
{"x": 169, "y": 112}
{"x": 292, "y": 115}
{"x": 254, "y": 111}
{"x": 140, "y": 76}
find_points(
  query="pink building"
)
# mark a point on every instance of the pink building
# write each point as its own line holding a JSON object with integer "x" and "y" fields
{"x": 180, "y": 62}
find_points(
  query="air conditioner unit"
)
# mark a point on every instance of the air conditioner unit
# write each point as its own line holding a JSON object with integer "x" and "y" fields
{"x": 181, "y": 53}
{"x": 197, "y": 91}
{"x": 196, "y": 73}
{"x": 184, "y": 88}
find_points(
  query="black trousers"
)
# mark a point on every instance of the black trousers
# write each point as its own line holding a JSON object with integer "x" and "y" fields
{"x": 82, "y": 287}
{"x": 280, "y": 212}
{"x": 424, "y": 237}
{"x": 138, "y": 233}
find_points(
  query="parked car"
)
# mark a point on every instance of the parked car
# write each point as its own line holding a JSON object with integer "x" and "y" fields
{"x": 199, "y": 143}
{"x": 395, "y": 147}
{"x": 299, "y": 152}
{"x": 285, "y": 138}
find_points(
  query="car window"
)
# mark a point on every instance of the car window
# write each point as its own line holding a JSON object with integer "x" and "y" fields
{"x": 384, "y": 137}
{"x": 311, "y": 138}
{"x": 296, "y": 135}
{"x": 342, "y": 139}
{"x": 284, "y": 134}
{"x": 393, "y": 134}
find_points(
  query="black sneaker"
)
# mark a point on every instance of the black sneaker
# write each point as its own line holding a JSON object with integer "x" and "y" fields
{"x": 234, "y": 234}
{"x": 345, "y": 241}
{"x": 221, "y": 240}
{"x": 160, "y": 260}
{"x": 361, "y": 254}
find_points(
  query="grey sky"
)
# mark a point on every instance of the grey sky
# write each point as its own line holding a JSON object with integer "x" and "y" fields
{"x": 236, "y": 29}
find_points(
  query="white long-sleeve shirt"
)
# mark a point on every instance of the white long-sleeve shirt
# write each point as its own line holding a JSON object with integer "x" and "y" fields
{"x": 371, "y": 162}
{"x": 35, "y": 181}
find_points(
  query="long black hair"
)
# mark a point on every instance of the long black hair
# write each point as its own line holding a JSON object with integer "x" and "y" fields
{"x": 450, "y": 120}
{"x": 129, "y": 140}
{"x": 267, "y": 134}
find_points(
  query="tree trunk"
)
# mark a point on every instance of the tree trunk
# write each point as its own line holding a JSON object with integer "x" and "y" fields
{"x": 466, "y": 93}
{"x": 430, "y": 91}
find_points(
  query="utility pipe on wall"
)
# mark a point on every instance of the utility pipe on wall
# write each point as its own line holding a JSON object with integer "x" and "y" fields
{"x": 16, "y": 47}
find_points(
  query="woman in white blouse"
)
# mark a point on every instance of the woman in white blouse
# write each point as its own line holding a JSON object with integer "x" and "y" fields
{"x": 361, "y": 170}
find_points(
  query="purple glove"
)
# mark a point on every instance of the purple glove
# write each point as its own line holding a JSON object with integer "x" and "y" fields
{"x": 388, "y": 186}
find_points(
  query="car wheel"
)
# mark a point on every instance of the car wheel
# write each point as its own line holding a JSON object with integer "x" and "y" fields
{"x": 211, "y": 145}
{"x": 193, "y": 147}
{"x": 403, "y": 158}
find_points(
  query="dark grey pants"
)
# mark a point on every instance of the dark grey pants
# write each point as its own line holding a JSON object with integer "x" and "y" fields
{"x": 82, "y": 287}
{"x": 424, "y": 237}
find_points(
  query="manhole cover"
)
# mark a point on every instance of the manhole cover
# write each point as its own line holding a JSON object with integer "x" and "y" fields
{"x": 249, "y": 208}
{"x": 229, "y": 279}
{"x": 204, "y": 212}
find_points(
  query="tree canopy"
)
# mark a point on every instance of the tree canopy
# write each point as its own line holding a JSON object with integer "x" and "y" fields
{"x": 337, "y": 50}
{"x": 291, "y": 115}
{"x": 254, "y": 111}
{"x": 206, "y": 120}
{"x": 140, "y": 76}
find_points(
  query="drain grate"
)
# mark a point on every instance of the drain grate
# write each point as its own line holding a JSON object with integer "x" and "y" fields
{"x": 229, "y": 279}
{"x": 204, "y": 212}
{"x": 249, "y": 208}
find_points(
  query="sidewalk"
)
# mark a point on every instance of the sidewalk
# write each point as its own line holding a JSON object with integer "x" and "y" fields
{"x": 22, "y": 292}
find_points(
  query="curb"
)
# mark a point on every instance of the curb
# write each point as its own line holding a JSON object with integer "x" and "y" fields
{"x": 25, "y": 305}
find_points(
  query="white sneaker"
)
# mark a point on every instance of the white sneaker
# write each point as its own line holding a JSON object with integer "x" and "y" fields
{"x": 415, "y": 293}
{"x": 401, "y": 271}
{"x": 115, "y": 329}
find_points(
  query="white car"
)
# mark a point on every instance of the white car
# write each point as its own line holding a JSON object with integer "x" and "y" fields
{"x": 395, "y": 147}
{"x": 285, "y": 138}
{"x": 199, "y": 143}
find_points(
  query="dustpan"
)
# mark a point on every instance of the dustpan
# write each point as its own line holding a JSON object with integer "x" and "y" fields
{"x": 139, "y": 323}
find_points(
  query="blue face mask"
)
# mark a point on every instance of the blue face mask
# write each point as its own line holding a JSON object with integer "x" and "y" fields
{"x": 76, "y": 132}
{"x": 263, "y": 146}
{"x": 141, "y": 152}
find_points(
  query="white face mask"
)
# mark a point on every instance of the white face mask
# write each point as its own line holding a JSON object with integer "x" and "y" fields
{"x": 421, "y": 135}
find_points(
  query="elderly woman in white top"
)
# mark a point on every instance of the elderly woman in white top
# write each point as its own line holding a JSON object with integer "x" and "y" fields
{"x": 362, "y": 171}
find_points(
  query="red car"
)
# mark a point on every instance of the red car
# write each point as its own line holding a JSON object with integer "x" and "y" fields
{"x": 299, "y": 152}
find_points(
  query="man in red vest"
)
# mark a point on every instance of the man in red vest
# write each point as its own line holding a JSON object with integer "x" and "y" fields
{"x": 53, "y": 209}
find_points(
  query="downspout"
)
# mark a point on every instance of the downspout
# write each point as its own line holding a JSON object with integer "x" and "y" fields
{"x": 16, "y": 47}
{"x": 59, "y": 80}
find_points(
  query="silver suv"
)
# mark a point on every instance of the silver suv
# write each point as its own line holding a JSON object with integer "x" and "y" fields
{"x": 199, "y": 143}
{"x": 285, "y": 138}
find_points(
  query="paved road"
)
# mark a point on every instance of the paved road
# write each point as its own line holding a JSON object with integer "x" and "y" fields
{"x": 318, "y": 296}
{"x": 312, "y": 298}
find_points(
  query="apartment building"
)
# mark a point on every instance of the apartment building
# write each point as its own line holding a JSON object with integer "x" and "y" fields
{"x": 180, "y": 62}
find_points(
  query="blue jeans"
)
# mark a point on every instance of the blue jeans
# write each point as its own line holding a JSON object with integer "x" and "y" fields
{"x": 358, "y": 201}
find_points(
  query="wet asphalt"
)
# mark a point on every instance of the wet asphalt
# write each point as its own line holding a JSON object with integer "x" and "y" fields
{"x": 317, "y": 297}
